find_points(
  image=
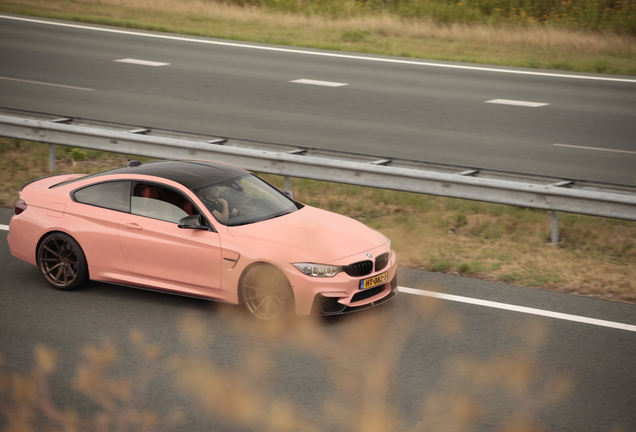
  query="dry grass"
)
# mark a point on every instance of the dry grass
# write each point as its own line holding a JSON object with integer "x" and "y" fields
{"x": 22, "y": 161}
{"x": 358, "y": 362}
{"x": 529, "y": 45}
{"x": 596, "y": 256}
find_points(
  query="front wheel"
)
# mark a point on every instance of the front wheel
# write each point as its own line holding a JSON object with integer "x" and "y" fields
{"x": 266, "y": 293}
{"x": 62, "y": 262}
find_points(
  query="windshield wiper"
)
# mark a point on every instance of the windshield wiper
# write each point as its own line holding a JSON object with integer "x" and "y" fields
{"x": 275, "y": 216}
{"x": 241, "y": 223}
{"x": 259, "y": 220}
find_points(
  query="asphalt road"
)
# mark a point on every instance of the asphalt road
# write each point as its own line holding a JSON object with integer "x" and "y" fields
{"x": 394, "y": 107}
{"x": 471, "y": 366}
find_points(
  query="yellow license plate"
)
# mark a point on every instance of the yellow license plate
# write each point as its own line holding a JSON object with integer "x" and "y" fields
{"x": 374, "y": 281}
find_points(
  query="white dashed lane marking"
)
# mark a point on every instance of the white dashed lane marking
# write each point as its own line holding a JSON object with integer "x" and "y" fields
{"x": 319, "y": 83}
{"x": 142, "y": 62}
{"x": 517, "y": 103}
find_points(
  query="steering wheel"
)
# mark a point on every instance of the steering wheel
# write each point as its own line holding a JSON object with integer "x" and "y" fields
{"x": 240, "y": 209}
{"x": 229, "y": 195}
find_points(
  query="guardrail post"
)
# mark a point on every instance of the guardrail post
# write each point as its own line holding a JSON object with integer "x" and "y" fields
{"x": 51, "y": 157}
{"x": 288, "y": 185}
{"x": 555, "y": 227}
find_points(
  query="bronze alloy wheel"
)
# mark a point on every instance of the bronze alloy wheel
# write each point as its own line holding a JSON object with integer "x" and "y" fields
{"x": 266, "y": 293}
{"x": 62, "y": 262}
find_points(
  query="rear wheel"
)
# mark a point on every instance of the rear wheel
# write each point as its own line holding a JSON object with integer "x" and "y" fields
{"x": 62, "y": 262}
{"x": 266, "y": 293}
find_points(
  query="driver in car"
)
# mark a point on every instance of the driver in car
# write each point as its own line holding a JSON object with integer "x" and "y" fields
{"x": 218, "y": 206}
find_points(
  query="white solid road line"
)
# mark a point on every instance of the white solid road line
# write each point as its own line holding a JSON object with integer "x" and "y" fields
{"x": 319, "y": 83}
{"x": 595, "y": 148}
{"x": 142, "y": 62}
{"x": 522, "y": 309}
{"x": 504, "y": 306}
{"x": 318, "y": 53}
{"x": 517, "y": 103}
{"x": 47, "y": 84}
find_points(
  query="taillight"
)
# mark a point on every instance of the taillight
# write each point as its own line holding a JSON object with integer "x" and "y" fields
{"x": 20, "y": 206}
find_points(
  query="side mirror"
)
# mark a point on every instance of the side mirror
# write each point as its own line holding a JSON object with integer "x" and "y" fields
{"x": 192, "y": 222}
{"x": 289, "y": 194}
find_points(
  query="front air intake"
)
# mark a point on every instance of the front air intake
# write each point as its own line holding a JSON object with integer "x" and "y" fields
{"x": 361, "y": 268}
{"x": 363, "y": 295}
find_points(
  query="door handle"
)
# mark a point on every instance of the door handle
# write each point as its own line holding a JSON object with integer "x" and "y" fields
{"x": 133, "y": 226}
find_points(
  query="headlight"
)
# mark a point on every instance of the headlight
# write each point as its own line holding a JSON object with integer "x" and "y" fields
{"x": 318, "y": 270}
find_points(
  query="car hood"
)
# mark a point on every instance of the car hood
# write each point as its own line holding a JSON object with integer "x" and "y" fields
{"x": 313, "y": 234}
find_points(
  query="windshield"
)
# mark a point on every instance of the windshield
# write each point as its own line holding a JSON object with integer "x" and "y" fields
{"x": 244, "y": 200}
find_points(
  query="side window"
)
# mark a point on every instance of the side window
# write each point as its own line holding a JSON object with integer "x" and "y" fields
{"x": 157, "y": 202}
{"x": 112, "y": 195}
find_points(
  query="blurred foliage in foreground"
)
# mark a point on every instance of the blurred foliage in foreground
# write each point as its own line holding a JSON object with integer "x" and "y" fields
{"x": 356, "y": 358}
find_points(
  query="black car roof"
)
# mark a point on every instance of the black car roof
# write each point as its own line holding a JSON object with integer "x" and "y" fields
{"x": 190, "y": 173}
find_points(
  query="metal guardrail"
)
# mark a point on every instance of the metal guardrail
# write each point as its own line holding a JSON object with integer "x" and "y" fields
{"x": 539, "y": 192}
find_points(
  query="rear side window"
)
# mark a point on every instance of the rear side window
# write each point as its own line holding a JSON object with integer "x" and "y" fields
{"x": 111, "y": 195}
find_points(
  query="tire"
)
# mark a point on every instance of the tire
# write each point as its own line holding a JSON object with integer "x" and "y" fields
{"x": 266, "y": 293}
{"x": 62, "y": 262}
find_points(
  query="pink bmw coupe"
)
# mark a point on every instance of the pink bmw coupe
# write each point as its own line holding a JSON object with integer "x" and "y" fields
{"x": 201, "y": 229}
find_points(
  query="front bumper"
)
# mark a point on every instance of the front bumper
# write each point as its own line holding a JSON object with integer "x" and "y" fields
{"x": 331, "y": 306}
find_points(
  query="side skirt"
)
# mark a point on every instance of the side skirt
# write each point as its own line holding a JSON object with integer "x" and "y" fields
{"x": 165, "y": 291}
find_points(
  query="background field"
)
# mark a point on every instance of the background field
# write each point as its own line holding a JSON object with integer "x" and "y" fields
{"x": 574, "y": 35}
